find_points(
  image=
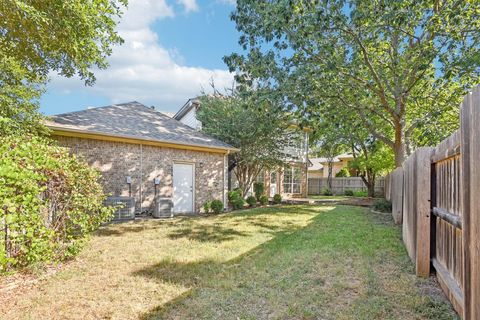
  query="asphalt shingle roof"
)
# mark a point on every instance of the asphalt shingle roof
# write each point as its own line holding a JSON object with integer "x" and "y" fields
{"x": 134, "y": 120}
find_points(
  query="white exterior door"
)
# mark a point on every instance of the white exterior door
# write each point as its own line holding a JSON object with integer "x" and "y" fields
{"x": 273, "y": 183}
{"x": 183, "y": 187}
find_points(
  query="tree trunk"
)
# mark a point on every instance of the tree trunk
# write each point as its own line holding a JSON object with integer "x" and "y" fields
{"x": 371, "y": 184}
{"x": 329, "y": 178}
{"x": 399, "y": 148}
{"x": 368, "y": 178}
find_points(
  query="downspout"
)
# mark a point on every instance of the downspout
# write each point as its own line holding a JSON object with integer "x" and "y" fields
{"x": 224, "y": 179}
{"x": 306, "y": 164}
{"x": 141, "y": 174}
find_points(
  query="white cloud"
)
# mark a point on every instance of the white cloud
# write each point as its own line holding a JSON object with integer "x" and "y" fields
{"x": 189, "y": 5}
{"x": 141, "y": 69}
{"x": 230, "y": 2}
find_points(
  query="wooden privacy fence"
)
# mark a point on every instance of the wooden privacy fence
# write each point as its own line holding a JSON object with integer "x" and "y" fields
{"x": 436, "y": 198}
{"x": 339, "y": 185}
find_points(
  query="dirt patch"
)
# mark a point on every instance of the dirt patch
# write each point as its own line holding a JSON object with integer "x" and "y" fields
{"x": 22, "y": 282}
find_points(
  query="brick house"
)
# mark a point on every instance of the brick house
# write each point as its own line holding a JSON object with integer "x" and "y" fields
{"x": 291, "y": 180}
{"x": 143, "y": 153}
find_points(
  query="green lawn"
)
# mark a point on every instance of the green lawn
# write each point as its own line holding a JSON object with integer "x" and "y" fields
{"x": 331, "y": 198}
{"x": 292, "y": 262}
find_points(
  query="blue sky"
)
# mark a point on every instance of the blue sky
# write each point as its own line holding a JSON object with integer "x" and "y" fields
{"x": 172, "y": 49}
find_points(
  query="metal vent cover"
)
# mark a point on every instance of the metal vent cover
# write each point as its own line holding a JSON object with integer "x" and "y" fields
{"x": 163, "y": 208}
{"x": 125, "y": 210}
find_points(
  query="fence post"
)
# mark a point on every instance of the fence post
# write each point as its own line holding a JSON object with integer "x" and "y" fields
{"x": 470, "y": 173}
{"x": 423, "y": 195}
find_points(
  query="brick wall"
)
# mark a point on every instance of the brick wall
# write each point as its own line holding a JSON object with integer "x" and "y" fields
{"x": 280, "y": 178}
{"x": 117, "y": 160}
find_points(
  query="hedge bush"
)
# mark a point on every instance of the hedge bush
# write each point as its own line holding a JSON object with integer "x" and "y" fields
{"x": 216, "y": 206}
{"x": 342, "y": 173}
{"x": 360, "y": 193}
{"x": 349, "y": 193}
{"x": 238, "y": 203}
{"x": 234, "y": 194}
{"x": 258, "y": 189}
{"x": 327, "y": 192}
{"x": 251, "y": 201}
{"x": 263, "y": 200}
{"x": 382, "y": 205}
{"x": 277, "y": 199}
{"x": 206, "y": 207}
{"x": 50, "y": 201}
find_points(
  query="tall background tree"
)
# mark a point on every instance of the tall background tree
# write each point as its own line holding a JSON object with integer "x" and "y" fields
{"x": 326, "y": 144}
{"x": 50, "y": 198}
{"x": 252, "y": 121}
{"x": 344, "y": 132}
{"x": 401, "y": 66}
{"x": 69, "y": 37}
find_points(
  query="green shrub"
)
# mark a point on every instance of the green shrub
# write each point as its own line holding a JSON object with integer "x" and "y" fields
{"x": 327, "y": 192}
{"x": 234, "y": 194}
{"x": 216, "y": 206}
{"x": 360, "y": 193}
{"x": 238, "y": 203}
{"x": 263, "y": 200}
{"x": 382, "y": 205}
{"x": 50, "y": 202}
{"x": 342, "y": 173}
{"x": 251, "y": 201}
{"x": 239, "y": 191}
{"x": 206, "y": 207}
{"x": 277, "y": 199}
{"x": 258, "y": 189}
{"x": 349, "y": 193}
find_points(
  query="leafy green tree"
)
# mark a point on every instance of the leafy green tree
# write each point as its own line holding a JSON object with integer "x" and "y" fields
{"x": 327, "y": 144}
{"x": 342, "y": 173}
{"x": 371, "y": 159}
{"x": 42, "y": 36}
{"x": 400, "y": 66}
{"x": 251, "y": 121}
{"x": 50, "y": 200}
{"x": 345, "y": 131}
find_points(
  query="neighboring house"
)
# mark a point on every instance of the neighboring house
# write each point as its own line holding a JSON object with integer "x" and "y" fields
{"x": 290, "y": 181}
{"x": 319, "y": 168}
{"x": 188, "y": 114}
{"x": 144, "y": 153}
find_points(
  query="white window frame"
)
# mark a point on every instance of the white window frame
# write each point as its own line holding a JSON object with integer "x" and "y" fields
{"x": 293, "y": 184}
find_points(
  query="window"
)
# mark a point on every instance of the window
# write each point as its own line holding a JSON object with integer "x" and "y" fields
{"x": 292, "y": 178}
{"x": 260, "y": 177}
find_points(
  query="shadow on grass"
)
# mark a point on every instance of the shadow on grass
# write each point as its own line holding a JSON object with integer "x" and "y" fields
{"x": 203, "y": 273}
{"x": 188, "y": 228}
{"x": 329, "y": 238}
{"x": 215, "y": 233}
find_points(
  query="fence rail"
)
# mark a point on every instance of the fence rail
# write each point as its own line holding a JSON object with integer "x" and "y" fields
{"x": 340, "y": 185}
{"x": 435, "y": 196}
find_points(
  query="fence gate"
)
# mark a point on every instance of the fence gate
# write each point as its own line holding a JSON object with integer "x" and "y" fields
{"x": 447, "y": 219}
{"x": 437, "y": 195}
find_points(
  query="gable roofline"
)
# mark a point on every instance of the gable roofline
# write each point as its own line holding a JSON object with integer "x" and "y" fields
{"x": 192, "y": 102}
{"x": 76, "y": 133}
{"x": 98, "y": 123}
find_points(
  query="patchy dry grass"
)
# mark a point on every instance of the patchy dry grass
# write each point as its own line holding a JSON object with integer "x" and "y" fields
{"x": 294, "y": 262}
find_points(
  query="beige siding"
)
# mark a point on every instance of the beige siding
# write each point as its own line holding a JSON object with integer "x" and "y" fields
{"x": 190, "y": 119}
{"x": 337, "y": 166}
{"x": 315, "y": 174}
